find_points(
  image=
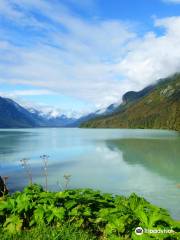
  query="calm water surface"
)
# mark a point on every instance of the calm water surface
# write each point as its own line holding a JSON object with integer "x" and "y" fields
{"x": 117, "y": 161}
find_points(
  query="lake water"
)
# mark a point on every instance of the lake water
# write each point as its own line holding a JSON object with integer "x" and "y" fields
{"x": 146, "y": 162}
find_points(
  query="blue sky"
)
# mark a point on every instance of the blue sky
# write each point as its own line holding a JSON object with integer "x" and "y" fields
{"x": 81, "y": 55}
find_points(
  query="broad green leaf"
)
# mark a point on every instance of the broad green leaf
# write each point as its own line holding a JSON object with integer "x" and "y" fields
{"x": 13, "y": 224}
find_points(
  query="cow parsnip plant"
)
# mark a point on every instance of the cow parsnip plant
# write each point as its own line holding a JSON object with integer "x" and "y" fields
{"x": 104, "y": 216}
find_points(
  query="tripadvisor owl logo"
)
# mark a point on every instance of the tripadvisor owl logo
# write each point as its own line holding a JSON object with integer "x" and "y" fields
{"x": 139, "y": 231}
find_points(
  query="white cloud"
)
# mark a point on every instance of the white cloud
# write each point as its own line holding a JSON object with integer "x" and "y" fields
{"x": 153, "y": 56}
{"x": 172, "y": 1}
{"x": 95, "y": 61}
{"x": 79, "y": 63}
{"x": 33, "y": 92}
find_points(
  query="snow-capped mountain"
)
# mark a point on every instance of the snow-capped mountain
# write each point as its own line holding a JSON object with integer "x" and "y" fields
{"x": 55, "y": 117}
{"x": 98, "y": 113}
{"x": 52, "y": 118}
{"x": 13, "y": 115}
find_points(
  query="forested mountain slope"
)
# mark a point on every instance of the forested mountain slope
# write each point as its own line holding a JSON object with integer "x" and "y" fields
{"x": 156, "y": 107}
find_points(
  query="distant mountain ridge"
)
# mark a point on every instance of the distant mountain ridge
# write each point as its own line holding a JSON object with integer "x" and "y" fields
{"x": 101, "y": 112}
{"x": 13, "y": 115}
{"x": 156, "y": 106}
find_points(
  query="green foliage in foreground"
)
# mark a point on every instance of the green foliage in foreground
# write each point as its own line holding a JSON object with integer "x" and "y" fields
{"x": 88, "y": 213}
{"x": 64, "y": 232}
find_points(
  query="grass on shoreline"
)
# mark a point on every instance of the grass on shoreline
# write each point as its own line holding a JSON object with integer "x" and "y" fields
{"x": 80, "y": 214}
{"x": 65, "y": 232}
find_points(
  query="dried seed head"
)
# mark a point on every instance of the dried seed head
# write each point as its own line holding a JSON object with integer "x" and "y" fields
{"x": 5, "y": 177}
